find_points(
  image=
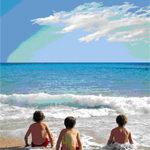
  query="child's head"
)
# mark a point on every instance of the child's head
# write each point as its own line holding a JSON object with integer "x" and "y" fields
{"x": 121, "y": 120}
{"x": 38, "y": 116}
{"x": 70, "y": 122}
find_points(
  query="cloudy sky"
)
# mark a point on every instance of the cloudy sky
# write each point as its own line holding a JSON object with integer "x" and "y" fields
{"x": 75, "y": 31}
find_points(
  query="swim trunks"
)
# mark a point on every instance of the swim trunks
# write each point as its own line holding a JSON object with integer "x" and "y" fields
{"x": 45, "y": 144}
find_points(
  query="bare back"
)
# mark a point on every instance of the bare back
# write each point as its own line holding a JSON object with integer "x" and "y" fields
{"x": 120, "y": 135}
{"x": 70, "y": 139}
{"x": 38, "y": 131}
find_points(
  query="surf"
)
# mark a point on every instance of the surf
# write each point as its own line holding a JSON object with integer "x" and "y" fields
{"x": 129, "y": 105}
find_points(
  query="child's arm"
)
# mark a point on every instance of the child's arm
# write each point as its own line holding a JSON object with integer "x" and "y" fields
{"x": 26, "y": 136}
{"x": 79, "y": 141}
{"x": 51, "y": 137}
{"x": 130, "y": 139}
{"x": 59, "y": 140}
{"x": 110, "y": 138}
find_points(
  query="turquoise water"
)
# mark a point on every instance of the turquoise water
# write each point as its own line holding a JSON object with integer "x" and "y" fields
{"x": 107, "y": 79}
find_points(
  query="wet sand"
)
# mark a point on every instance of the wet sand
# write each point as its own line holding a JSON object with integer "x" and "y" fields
{"x": 16, "y": 144}
{"x": 11, "y": 144}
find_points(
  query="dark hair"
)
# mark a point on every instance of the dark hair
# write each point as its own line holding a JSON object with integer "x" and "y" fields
{"x": 70, "y": 122}
{"x": 121, "y": 120}
{"x": 38, "y": 116}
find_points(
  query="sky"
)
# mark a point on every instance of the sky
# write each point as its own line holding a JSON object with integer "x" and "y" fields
{"x": 75, "y": 31}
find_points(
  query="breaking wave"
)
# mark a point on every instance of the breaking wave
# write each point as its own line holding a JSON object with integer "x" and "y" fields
{"x": 129, "y": 105}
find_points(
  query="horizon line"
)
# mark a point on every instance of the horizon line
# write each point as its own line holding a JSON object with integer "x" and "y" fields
{"x": 64, "y": 62}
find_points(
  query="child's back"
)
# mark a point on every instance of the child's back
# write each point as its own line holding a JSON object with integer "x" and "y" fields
{"x": 69, "y": 137}
{"x": 120, "y": 134}
{"x": 39, "y": 133}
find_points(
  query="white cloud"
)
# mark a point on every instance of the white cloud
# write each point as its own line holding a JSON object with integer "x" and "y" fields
{"x": 137, "y": 34}
{"x": 47, "y": 20}
{"x": 118, "y": 23}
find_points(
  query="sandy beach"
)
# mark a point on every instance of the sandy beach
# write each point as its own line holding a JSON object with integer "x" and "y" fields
{"x": 11, "y": 143}
{"x": 17, "y": 144}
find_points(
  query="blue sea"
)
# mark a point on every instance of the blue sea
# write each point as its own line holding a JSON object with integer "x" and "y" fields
{"x": 92, "y": 92}
{"x": 107, "y": 79}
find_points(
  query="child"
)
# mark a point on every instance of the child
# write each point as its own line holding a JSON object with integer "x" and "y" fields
{"x": 40, "y": 132}
{"x": 120, "y": 134}
{"x": 69, "y": 137}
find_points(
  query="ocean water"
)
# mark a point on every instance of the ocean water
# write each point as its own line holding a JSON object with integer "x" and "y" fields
{"x": 94, "y": 93}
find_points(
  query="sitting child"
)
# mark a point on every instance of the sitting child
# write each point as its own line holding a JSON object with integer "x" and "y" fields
{"x": 41, "y": 135}
{"x": 120, "y": 134}
{"x": 69, "y": 137}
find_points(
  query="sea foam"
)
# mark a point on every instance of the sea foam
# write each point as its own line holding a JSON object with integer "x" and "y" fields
{"x": 128, "y": 105}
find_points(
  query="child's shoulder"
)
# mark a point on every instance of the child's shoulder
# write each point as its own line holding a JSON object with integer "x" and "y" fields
{"x": 76, "y": 130}
{"x": 32, "y": 125}
{"x": 118, "y": 129}
{"x": 126, "y": 130}
{"x": 115, "y": 129}
{"x": 44, "y": 123}
{"x": 63, "y": 131}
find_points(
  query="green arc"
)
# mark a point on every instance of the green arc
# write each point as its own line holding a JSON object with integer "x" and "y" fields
{"x": 27, "y": 49}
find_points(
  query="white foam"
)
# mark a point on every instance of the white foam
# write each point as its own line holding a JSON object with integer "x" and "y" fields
{"x": 38, "y": 148}
{"x": 88, "y": 143}
{"x": 137, "y": 109}
{"x": 128, "y": 105}
{"x": 8, "y": 112}
{"x": 117, "y": 146}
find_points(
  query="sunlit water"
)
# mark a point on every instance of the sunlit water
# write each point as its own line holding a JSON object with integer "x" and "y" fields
{"x": 93, "y": 93}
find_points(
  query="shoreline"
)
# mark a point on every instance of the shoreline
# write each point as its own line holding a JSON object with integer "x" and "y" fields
{"x": 9, "y": 143}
